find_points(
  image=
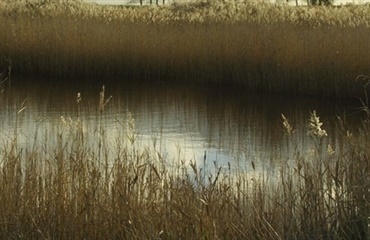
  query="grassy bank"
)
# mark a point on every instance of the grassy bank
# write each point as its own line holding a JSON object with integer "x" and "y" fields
{"x": 311, "y": 50}
{"x": 72, "y": 184}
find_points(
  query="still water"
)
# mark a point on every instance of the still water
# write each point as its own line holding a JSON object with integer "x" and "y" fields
{"x": 209, "y": 125}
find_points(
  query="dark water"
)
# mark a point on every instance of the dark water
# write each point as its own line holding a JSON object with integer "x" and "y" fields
{"x": 208, "y": 125}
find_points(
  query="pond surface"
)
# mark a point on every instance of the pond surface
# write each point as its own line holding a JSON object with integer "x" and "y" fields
{"x": 209, "y": 125}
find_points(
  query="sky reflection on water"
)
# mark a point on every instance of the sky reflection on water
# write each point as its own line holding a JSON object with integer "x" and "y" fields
{"x": 227, "y": 127}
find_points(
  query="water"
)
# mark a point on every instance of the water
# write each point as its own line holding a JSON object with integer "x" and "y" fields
{"x": 214, "y": 127}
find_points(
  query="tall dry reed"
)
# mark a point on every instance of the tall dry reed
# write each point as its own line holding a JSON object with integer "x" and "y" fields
{"x": 113, "y": 189}
{"x": 299, "y": 50}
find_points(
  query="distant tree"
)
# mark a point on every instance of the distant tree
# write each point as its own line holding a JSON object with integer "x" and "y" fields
{"x": 320, "y": 2}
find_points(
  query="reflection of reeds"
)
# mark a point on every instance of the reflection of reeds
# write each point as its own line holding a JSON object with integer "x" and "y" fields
{"x": 264, "y": 47}
{"x": 5, "y": 80}
{"x": 67, "y": 191}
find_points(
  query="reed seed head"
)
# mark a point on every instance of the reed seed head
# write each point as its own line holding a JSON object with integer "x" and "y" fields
{"x": 288, "y": 128}
{"x": 79, "y": 98}
{"x": 314, "y": 126}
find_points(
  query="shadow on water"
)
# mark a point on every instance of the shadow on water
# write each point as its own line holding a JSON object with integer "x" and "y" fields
{"x": 209, "y": 125}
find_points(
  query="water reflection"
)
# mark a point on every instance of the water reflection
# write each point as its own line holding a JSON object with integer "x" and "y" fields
{"x": 210, "y": 126}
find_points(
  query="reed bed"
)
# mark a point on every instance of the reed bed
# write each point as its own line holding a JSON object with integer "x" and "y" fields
{"x": 264, "y": 47}
{"x": 74, "y": 184}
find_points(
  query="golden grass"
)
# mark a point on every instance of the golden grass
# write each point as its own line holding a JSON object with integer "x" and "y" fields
{"x": 296, "y": 50}
{"x": 104, "y": 189}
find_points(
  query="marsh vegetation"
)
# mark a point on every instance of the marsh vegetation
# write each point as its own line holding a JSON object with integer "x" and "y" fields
{"x": 83, "y": 168}
{"x": 83, "y": 160}
{"x": 264, "y": 47}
